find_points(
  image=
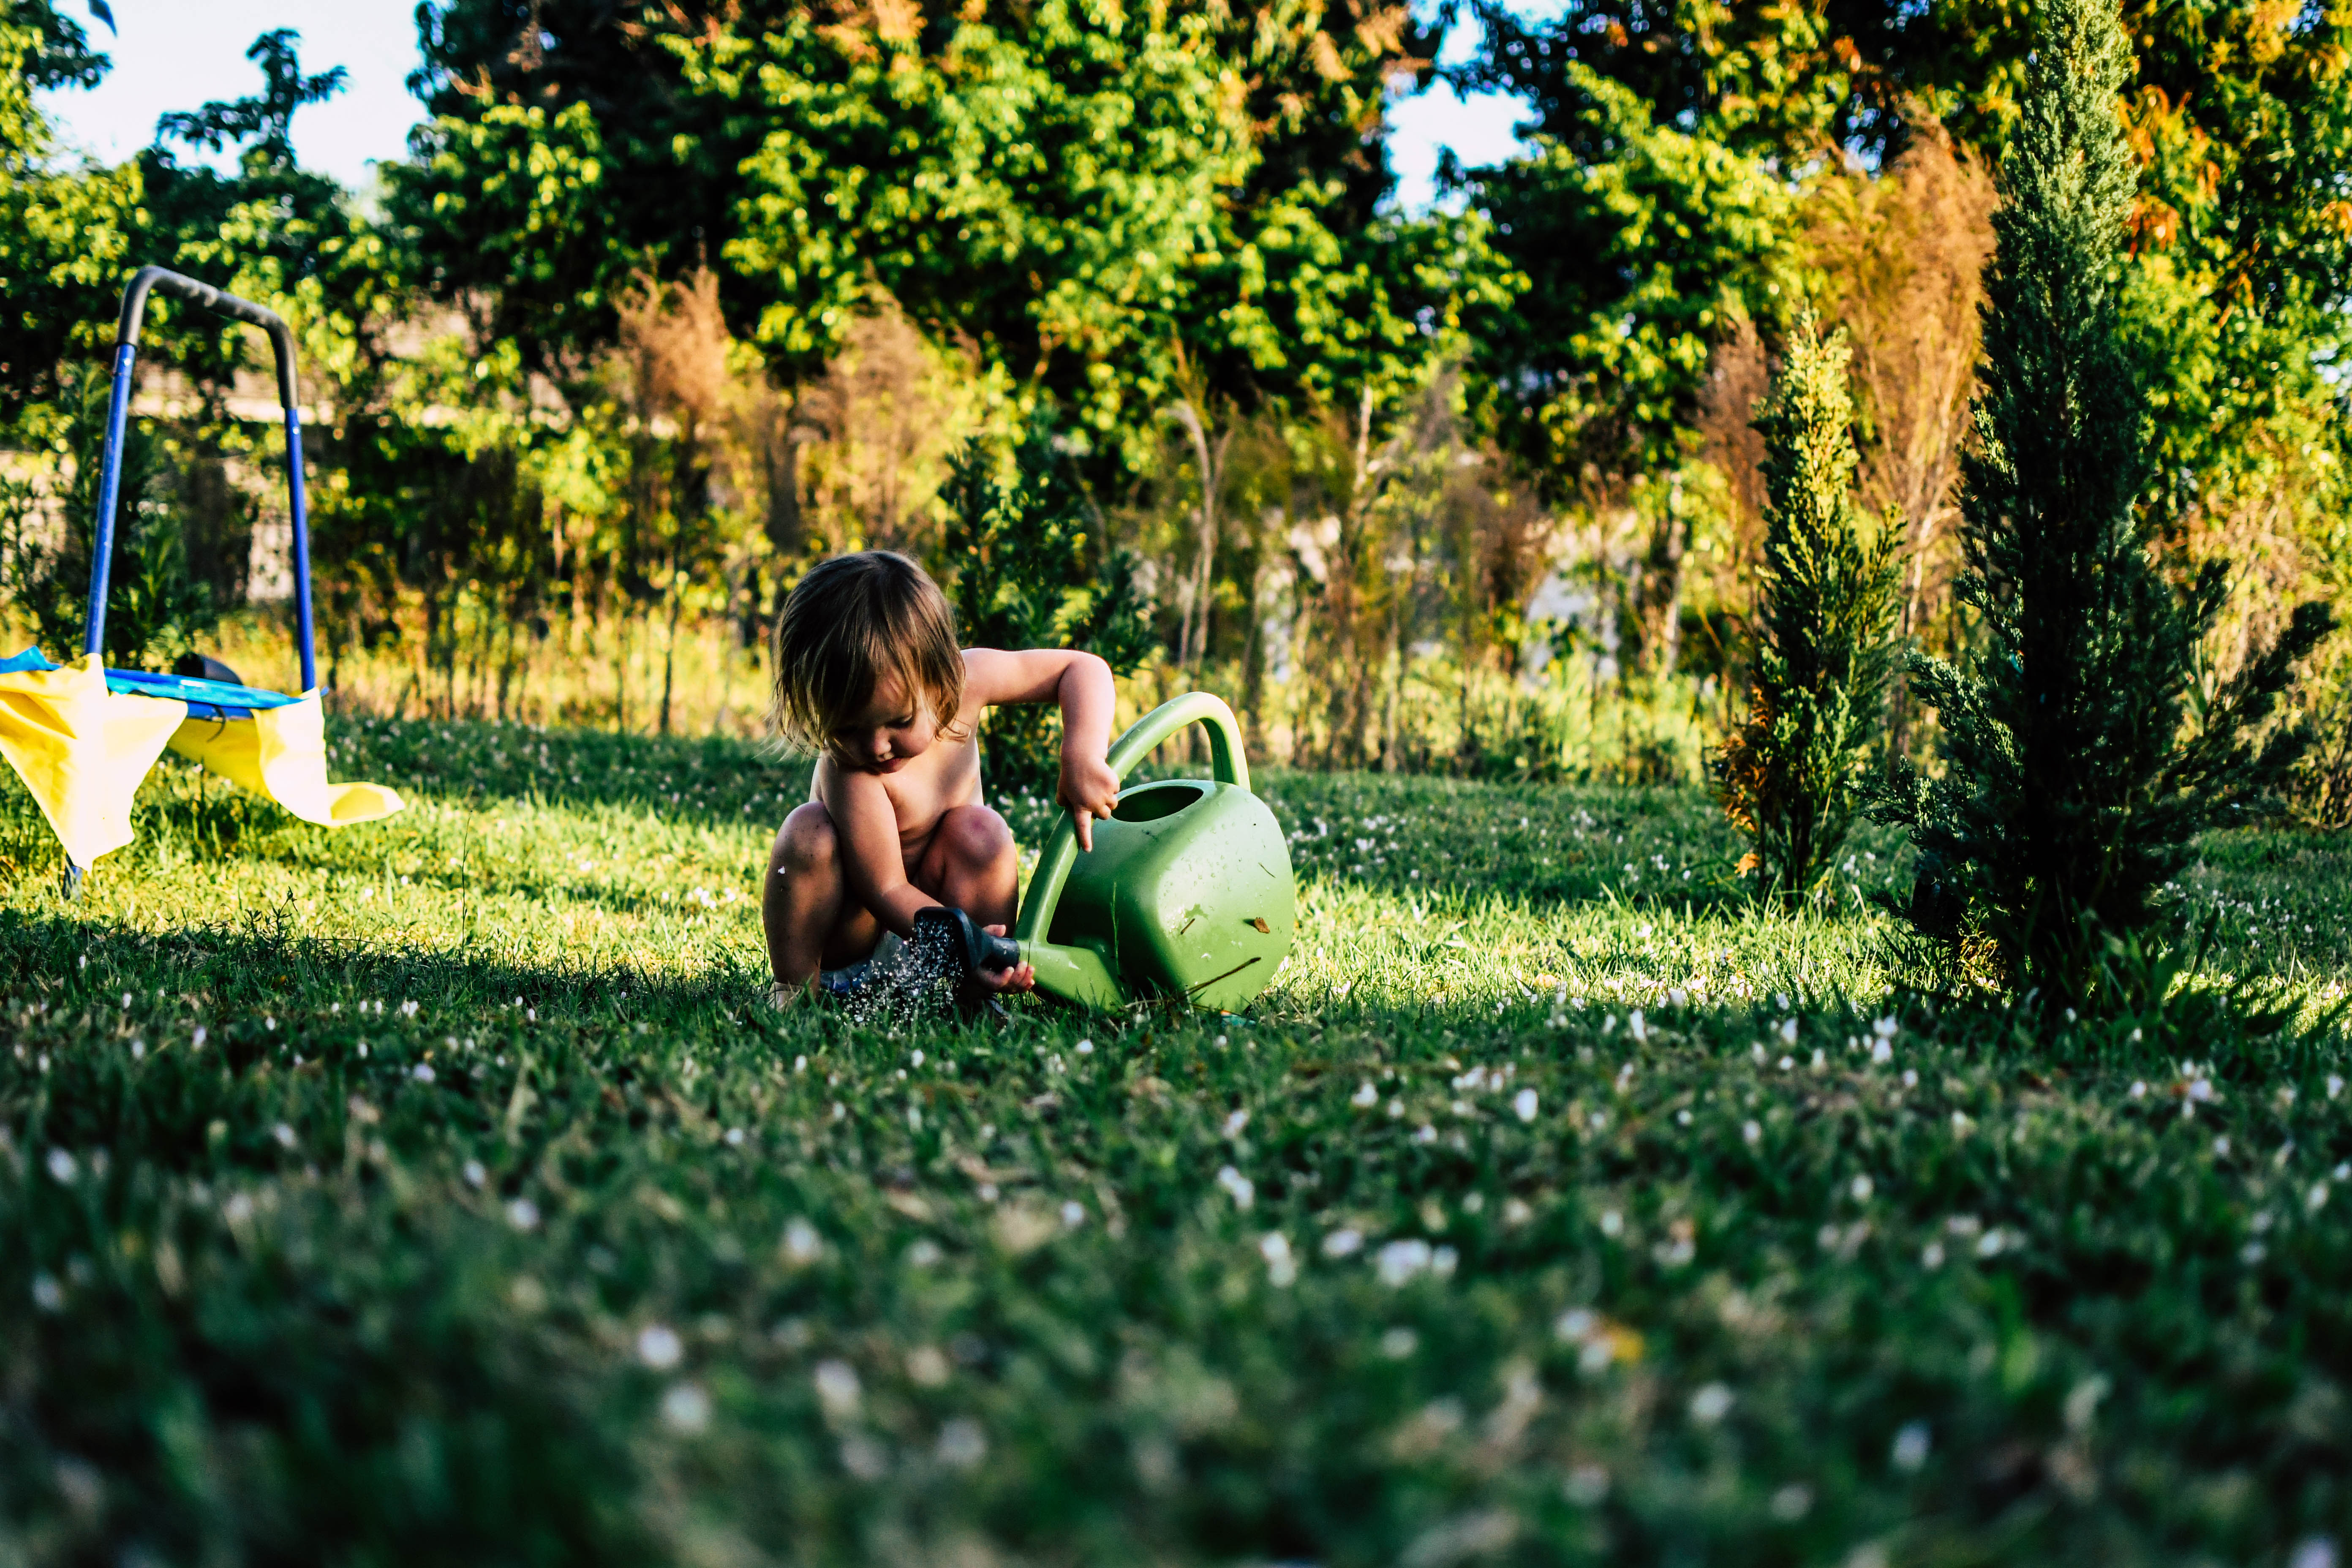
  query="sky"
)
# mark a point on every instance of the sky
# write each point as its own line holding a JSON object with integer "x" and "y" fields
{"x": 179, "y": 54}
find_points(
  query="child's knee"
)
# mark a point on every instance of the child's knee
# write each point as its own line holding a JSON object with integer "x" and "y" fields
{"x": 977, "y": 836}
{"x": 807, "y": 842}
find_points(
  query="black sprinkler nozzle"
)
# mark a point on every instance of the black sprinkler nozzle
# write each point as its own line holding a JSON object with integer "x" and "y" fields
{"x": 951, "y": 933}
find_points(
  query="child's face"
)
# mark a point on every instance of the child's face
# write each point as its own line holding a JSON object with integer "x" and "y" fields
{"x": 890, "y": 731}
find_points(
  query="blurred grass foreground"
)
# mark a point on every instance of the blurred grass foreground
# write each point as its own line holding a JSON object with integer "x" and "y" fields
{"x": 442, "y": 1192}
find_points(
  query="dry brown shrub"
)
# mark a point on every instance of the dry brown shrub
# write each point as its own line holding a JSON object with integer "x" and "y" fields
{"x": 1900, "y": 260}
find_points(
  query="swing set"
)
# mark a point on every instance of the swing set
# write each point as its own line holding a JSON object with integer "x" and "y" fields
{"x": 83, "y": 738}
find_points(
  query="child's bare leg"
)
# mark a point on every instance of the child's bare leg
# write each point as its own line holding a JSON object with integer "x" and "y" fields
{"x": 805, "y": 911}
{"x": 971, "y": 862}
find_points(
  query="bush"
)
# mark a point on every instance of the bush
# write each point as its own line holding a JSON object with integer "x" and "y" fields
{"x": 156, "y": 608}
{"x": 1031, "y": 569}
{"x": 1791, "y": 776}
{"x": 2083, "y": 749}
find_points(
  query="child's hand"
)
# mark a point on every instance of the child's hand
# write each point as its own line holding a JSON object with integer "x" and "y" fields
{"x": 1020, "y": 977}
{"x": 1090, "y": 790}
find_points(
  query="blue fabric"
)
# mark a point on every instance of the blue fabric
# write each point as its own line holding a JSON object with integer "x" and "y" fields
{"x": 213, "y": 698}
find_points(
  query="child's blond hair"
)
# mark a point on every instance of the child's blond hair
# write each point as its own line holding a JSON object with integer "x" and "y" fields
{"x": 852, "y": 623}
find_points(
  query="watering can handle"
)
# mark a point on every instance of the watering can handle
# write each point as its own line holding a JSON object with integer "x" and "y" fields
{"x": 1225, "y": 764}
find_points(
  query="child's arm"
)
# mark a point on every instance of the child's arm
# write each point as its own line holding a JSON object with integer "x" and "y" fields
{"x": 1082, "y": 684}
{"x": 873, "y": 860}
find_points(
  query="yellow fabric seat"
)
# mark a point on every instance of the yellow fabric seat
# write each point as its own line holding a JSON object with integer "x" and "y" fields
{"x": 83, "y": 750}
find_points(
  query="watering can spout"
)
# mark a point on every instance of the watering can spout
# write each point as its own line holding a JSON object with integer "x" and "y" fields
{"x": 1187, "y": 892}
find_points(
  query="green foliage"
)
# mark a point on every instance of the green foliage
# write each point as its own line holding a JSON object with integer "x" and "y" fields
{"x": 1828, "y": 600}
{"x": 64, "y": 232}
{"x": 1030, "y": 568}
{"x": 1644, "y": 226}
{"x": 2083, "y": 746}
{"x": 157, "y": 605}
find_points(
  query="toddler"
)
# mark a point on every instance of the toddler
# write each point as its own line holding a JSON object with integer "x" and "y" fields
{"x": 868, "y": 675}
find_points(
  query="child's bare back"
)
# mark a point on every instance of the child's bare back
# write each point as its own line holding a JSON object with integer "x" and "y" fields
{"x": 866, "y": 664}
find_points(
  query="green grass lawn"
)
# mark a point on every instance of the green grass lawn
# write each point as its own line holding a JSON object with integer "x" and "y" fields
{"x": 440, "y": 1191}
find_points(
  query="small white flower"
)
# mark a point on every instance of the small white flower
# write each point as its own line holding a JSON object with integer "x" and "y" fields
{"x": 2315, "y": 1199}
{"x": 1637, "y": 1026}
{"x": 2139, "y": 1088}
{"x": 1365, "y": 1097}
{"x": 1612, "y": 1223}
{"x": 836, "y": 1386}
{"x": 659, "y": 1347}
{"x": 1710, "y": 1404}
{"x": 1523, "y": 1105}
{"x": 1074, "y": 1215}
{"x": 1910, "y": 1449}
{"x": 1861, "y": 1188}
{"x": 1235, "y": 1122}
{"x": 62, "y": 1167}
{"x": 1749, "y": 1132}
{"x": 686, "y": 1409}
{"x": 801, "y": 1243}
{"x": 47, "y": 1294}
{"x": 284, "y": 1134}
{"x": 1880, "y": 1053}
{"x": 1787, "y": 1038}
{"x": 1885, "y": 1027}
{"x": 523, "y": 1214}
{"x": 2335, "y": 1084}
{"x": 2314, "y": 1551}
{"x": 1281, "y": 1268}
{"x": 1399, "y": 1261}
{"x": 423, "y": 1073}
{"x": 1342, "y": 1243}
{"x": 1238, "y": 1187}
{"x": 1932, "y": 1254}
{"x": 475, "y": 1174}
{"x": 197, "y": 1039}
{"x": 962, "y": 1444}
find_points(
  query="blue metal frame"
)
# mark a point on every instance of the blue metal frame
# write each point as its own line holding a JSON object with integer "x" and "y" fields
{"x": 118, "y": 412}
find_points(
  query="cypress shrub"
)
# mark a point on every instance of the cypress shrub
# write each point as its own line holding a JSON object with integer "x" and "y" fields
{"x": 1030, "y": 568}
{"x": 2083, "y": 746}
{"x": 1827, "y": 603}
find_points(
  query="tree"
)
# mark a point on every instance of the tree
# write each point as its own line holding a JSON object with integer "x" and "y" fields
{"x": 272, "y": 230}
{"x": 65, "y": 232}
{"x": 1031, "y": 569}
{"x": 1826, "y": 643}
{"x": 2083, "y": 749}
{"x": 1650, "y": 213}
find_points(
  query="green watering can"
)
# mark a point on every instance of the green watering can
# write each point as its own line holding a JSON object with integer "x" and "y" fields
{"x": 1187, "y": 891}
